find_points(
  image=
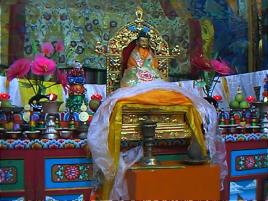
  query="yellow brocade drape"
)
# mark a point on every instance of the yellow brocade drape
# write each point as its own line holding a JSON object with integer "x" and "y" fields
{"x": 162, "y": 99}
{"x": 27, "y": 93}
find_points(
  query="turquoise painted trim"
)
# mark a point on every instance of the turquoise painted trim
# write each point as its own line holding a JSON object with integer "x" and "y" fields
{"x": 12, "y": 198}
{"x": 237, "y": 153}
{"x": 66, "y": 197}
{"x": 172, "y": 157}
{"x": 49, "y": 184}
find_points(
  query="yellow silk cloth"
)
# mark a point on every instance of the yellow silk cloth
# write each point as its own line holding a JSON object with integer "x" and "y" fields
{"x": 27, "y": 93}
{"x": 144, "y": 53}
{"x": 162, "y": 99}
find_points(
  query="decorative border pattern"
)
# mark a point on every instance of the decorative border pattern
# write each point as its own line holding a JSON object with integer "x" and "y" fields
{"x": 71, "y": 172}
{"x": 8, "y": 175}
{"x": 157, "y": 142}
{"x": 76, "y": 143}
{"x": 249, "y": 162}
{"x": 43, "y": 144}
{"x": 244, "y": 137}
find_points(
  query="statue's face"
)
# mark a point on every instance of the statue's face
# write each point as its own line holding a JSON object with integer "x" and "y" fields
{"x": 143, "y": 42}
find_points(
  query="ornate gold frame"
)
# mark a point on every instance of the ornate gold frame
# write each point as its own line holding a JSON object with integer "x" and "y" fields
{"x": 122, "y": 39}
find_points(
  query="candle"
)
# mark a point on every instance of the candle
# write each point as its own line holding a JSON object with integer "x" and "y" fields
{"x": 52, "y": 97}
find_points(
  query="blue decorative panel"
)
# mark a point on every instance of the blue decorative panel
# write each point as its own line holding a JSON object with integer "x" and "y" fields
{"x": 12, "y": 199}
{"x": 68, "y": 173}
{"x": 243, "y": 190}
{"x": 246, "y": 162}
{"x": 72, "y": 197}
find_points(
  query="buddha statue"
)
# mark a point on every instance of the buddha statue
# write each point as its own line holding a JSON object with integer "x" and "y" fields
{"x": 141, "y": 64}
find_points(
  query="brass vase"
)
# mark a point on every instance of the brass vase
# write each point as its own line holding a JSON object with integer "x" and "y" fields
{"x": 148, "y": 132}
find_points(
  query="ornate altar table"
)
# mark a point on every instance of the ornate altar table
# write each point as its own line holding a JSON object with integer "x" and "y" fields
{"x": 45, "y": 169}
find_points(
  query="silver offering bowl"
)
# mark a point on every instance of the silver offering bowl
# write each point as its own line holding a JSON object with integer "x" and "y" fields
{"x": 51, "y": 108}
{"x": 50, "y": 132}
{"x": 65, "y": 133}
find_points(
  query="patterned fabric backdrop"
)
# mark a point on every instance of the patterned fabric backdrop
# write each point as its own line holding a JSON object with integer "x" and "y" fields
{"x": 83, "y": 22}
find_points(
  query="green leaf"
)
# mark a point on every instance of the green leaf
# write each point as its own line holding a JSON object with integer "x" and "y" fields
{"x": 206, "y": 77}
{"x": 25, "y": 84}
{"x": 43, "y": 91}
{"x": 47, "y": 77}
{"x": 199, "y": 83}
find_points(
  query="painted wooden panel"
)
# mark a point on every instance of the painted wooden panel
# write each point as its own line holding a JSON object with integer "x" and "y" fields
{"x": 71, "y": 197}
{"x": 243, "y": 190}
{"x": 247, "y": 162}
{"x": 11, "y": 175}
{"x": 68, "y": 173}
{"x": 12, "y": 198}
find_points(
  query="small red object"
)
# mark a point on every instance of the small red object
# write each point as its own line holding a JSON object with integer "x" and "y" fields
{"x": 250, "y": 99}
{"x": 96, "y": 97}
{"x": 4, "y": 96}
{"x": 217, "y": 97}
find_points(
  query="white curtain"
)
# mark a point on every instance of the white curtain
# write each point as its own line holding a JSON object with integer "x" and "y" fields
{"x": 245, "y": 81}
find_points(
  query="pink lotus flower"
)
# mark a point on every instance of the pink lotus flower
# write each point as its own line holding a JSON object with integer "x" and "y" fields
{"x": 59, "y": 46}
{"x": 221, "y": 67}
{"x": 19, "y": 69}
{"x": 62, "y": 77}
{"x": 201, "y": 62}
{"x": 47, "y": 49}
{"x": 43, "y": 66}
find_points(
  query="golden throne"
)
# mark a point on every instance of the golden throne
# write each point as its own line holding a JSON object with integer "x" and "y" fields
{"x": 170, "y": 124}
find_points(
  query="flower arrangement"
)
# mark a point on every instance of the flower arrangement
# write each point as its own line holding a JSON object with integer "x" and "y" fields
{"x": 41, "y": 68}
{"x": 211, "y": 70}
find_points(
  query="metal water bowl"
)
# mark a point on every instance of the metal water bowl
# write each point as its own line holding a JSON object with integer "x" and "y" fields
{"x": 51, "y": 107}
